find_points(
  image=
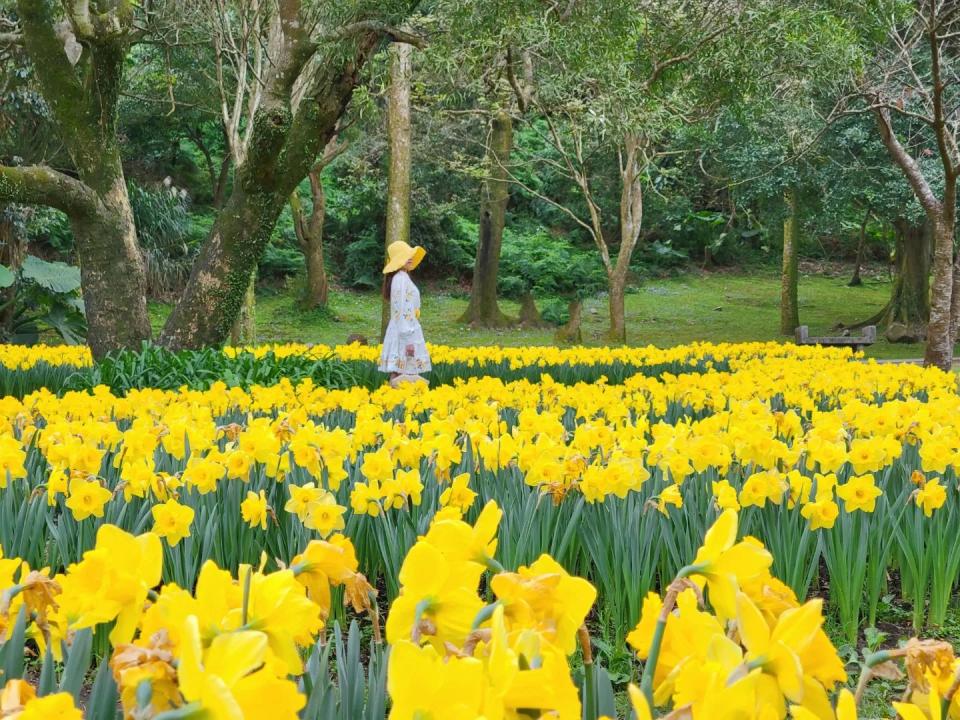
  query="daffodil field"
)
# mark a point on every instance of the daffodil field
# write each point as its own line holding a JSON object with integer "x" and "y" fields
{"x": 539, "y": 533}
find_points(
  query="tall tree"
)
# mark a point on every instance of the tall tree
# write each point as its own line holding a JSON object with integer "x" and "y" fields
{"x": 78, "y": 58}
{"x": 483, "y": 308}
{"x": 596, "y": 112}
{"x": 399, "y": 133}
{"x": 789, "y": 277}
{"x": 313, "y": 61}
{"x": 309, "y": 230}
{"x": 911, "y": 89}
{"x": 513, "y": 68}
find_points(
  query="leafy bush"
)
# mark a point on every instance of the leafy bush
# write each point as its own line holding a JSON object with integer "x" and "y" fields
{"x": 547, "y": 266}
{"x": 52, "y": 227}
{"x": 165, "y": 231}
{"x": 41, "y": 296}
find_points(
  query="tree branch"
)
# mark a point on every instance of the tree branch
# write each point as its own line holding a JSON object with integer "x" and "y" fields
{"x": 41, "y": 185}
{"x": 362, "y": 27}
{"x": 908, "y": 165}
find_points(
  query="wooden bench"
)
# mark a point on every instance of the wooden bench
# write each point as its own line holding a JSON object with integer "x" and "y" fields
{"x": 857, "y": 342}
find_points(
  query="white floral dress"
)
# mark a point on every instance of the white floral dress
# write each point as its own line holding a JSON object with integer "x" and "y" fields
{"x": 404, "y": 329}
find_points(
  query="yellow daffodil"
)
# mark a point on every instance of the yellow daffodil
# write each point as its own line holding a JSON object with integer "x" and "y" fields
{"x": 87, "y": 498}
{"x": 228, "y": 680}
{"x": 172, "y": 521}
{"x": 112, "y": 582}
{"x": 723, "y": 564}
{"x": 254, "y": 509}
{"x": 859, "y": 493}
{"x": 931, "y": 496}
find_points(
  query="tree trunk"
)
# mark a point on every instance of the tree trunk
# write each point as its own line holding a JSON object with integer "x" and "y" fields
{"x": 617, "y": 301}
{"x": 856, "y": 281}
{"x": 284, "y": 147}
{"x": 244, "y": 330}
{"x": 85, "y": 111}
{"x": 112, "y": 274}
{"x": 789, "y": 306}
{"x": 530, "y": 317}
{"x": 399, "y": 133}
{"x": 310, "y": 236}
{"x": 570, "y": 333}
{"x": 220, "y": 188}
{"x": 483, "y": 310}
{"x": 906, "y": 316}
{"x": 939, "y": 350}
{"x": 13, "y": 250}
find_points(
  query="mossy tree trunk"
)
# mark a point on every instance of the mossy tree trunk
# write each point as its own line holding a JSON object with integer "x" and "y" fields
{"x": 789, "y": 277}
{"x": 244, "y": 330}
{"x": 484, "y": 310}
{"x": 82, "y": 93}
{"x": 400, "y": 137}
{"x": 285, "y": 142}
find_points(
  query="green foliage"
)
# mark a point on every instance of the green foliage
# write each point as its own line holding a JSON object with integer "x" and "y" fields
{"x": 547, "y": 266}
{"x": 344, "y": 682}
{"x": 156, "y": 367}
{"x": 57, "y": 277}
{"x": 43, "y": 296}
{"x": 165, "y": 231}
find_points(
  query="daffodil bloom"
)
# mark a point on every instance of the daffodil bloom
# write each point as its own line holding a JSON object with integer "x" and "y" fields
{"x": 50, "y": 707}
{"x": 777, "y": 650}
{"x": 254, "y": 509}
{"x": 913, "y": 711}
{"x": 859, "y": 493}
{"x": 438, "y": 599}
{"x": 459, "y": 494}
{"x": 526, "y": 675}
{"x": 112, "y": 581}
{"x": 670, "y": 495}
{"x": 87, "y": 498}
{"x": 300, "y": 498}
{"x": 846, "y": 709}
{"x": 133, "y": 665}
{"x": 723, "y": 564}
{"x": 171, "y": 520}
{"x": 461, "y": 542}
{"x": 931, "y": 496}
{"x": 454, "y": 690}
{"x": 229, "y": 680}
{"x": 821, "y": 513}
{"x": 545, "y": 597}
{"x": 325, "y": 515}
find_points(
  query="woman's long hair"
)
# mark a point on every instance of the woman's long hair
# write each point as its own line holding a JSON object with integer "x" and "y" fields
{"x": 388, "y": 284}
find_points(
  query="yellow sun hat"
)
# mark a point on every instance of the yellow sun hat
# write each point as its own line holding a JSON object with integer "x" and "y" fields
{"x": 400, "y": 253}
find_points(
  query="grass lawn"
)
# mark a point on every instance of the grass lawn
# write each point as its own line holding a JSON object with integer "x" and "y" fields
{"x": 715, "y": 307}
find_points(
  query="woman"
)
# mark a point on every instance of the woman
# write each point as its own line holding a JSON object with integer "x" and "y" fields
{"x": 404, "y": 351}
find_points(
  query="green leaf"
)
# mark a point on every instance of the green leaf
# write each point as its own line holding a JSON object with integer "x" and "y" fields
{"x": 6, "y": 277}
{"x": 104, "y": 695}
{"x": 57, "y": 277}
{"x": 13, "y": 648}
{"x": 78, "y": 662}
